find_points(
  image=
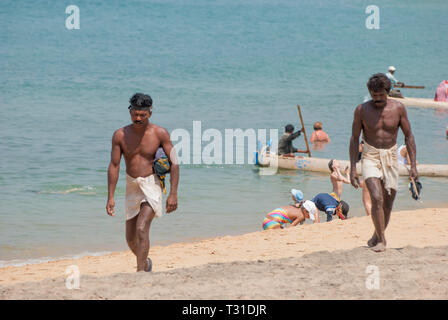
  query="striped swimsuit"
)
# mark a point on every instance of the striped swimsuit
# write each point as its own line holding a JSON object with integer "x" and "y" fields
{"x": 277, "y": 217}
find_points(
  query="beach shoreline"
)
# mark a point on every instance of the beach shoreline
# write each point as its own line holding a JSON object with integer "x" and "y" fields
{"x": 416, "y": 228}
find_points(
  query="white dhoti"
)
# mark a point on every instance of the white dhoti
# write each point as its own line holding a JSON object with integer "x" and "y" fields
{"x": 380, "y": 163}
{"x": 143, "y": 189}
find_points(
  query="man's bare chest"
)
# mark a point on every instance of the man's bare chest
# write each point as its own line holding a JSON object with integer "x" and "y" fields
{"x": 386, "y": 120}
{"x": 145, "y": 146}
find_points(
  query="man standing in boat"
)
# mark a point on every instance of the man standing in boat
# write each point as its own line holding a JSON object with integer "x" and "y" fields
{"x": 379, "y": 120}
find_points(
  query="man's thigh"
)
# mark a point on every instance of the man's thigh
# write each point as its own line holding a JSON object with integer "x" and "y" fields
{"x": 145, "y": 217}
{"x": 375, "y": 187}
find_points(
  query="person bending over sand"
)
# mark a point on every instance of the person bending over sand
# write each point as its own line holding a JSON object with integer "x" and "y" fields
{"x": 332, "y": 205}
{"x": 292, "y": 214}
{"x": 379, "y": 119}
{"x": 138, "y": 143}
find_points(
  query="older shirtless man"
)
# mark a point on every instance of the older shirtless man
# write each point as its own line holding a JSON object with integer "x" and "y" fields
{"x": 379, "y": 120}
{"x": 138, "y": 143}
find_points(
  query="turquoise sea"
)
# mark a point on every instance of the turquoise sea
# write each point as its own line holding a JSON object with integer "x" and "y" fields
{"x": 229, "y": 64}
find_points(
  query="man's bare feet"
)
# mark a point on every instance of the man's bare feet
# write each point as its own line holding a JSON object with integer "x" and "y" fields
{"x": 373, "y": 241}
{"x": 148, "y": 266}
{"x": 380, "y": 247}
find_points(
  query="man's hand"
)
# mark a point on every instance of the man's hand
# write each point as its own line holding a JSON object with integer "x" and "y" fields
{"x": 354, "y": 179}
{"x": 171, "y": 203}
{"x": 302, "y": 130}
{"x": 110, "y": 207}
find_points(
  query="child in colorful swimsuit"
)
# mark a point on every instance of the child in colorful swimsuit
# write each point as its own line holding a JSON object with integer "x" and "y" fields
{"x": 292, "y": 214}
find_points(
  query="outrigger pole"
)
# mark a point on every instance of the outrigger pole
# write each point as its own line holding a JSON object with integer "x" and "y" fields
{"x": 304, "y": 132}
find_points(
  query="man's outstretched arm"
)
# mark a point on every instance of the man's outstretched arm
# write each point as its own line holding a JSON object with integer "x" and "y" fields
{"x": 294, "y": 135}
{"x": 113, "y": 172}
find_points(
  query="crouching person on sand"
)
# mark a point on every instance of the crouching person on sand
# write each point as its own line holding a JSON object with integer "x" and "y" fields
{"x": 292, "y": 214}
{"x": 332, "y": 205}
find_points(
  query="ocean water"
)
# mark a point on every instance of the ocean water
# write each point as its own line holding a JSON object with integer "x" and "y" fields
{"x": 229, "y": 64}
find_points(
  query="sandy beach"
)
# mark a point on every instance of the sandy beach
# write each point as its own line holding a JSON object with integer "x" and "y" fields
{"x": 319, "y": 261}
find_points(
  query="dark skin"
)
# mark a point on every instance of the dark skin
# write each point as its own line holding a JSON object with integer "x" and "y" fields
{"x": 379, "y": 120}
{"x": 138, "y": 143}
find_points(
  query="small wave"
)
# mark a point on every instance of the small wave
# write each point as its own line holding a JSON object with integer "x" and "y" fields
{"x": 81, "y": 190}
{"x": 24, "y": 262}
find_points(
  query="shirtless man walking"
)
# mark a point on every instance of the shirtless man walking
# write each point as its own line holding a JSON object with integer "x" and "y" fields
{"x": 138, "y": 143}
{"x": 380, "y": 119}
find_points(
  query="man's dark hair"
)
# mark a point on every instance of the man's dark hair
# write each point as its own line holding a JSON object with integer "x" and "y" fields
{"x": 378, "y": 82}
{"x": 140, "y": 101}
{"x": 345, "y": 208}
{"x": 289, "y": 128}
{"x": 330, "y": 165}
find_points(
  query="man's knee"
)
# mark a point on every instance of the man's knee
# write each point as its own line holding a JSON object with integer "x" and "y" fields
{"x": 142, "y": 231}
{"x": 375, "y": 190}
{"x": 377, "y": 197}
{"x": 145, "y": 217}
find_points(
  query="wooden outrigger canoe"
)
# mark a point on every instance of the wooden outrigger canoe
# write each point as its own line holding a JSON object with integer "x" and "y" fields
{"x": 321, "y": 165}
{"x": 421, "y": 102}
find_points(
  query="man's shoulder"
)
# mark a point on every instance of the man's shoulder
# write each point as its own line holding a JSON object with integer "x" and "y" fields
{"x": 160, "y": 131}
{"x": 119, "y": 133}
{"x": 157, "y": 128}
{"x": 363, "y": 106}
{"x": 360, "y": 109}
{"x": 395, "y": 104}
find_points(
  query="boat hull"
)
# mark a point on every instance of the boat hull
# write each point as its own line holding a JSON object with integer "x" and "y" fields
{"x": 321, "y": 165}
{"x": 421, "y": 102}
